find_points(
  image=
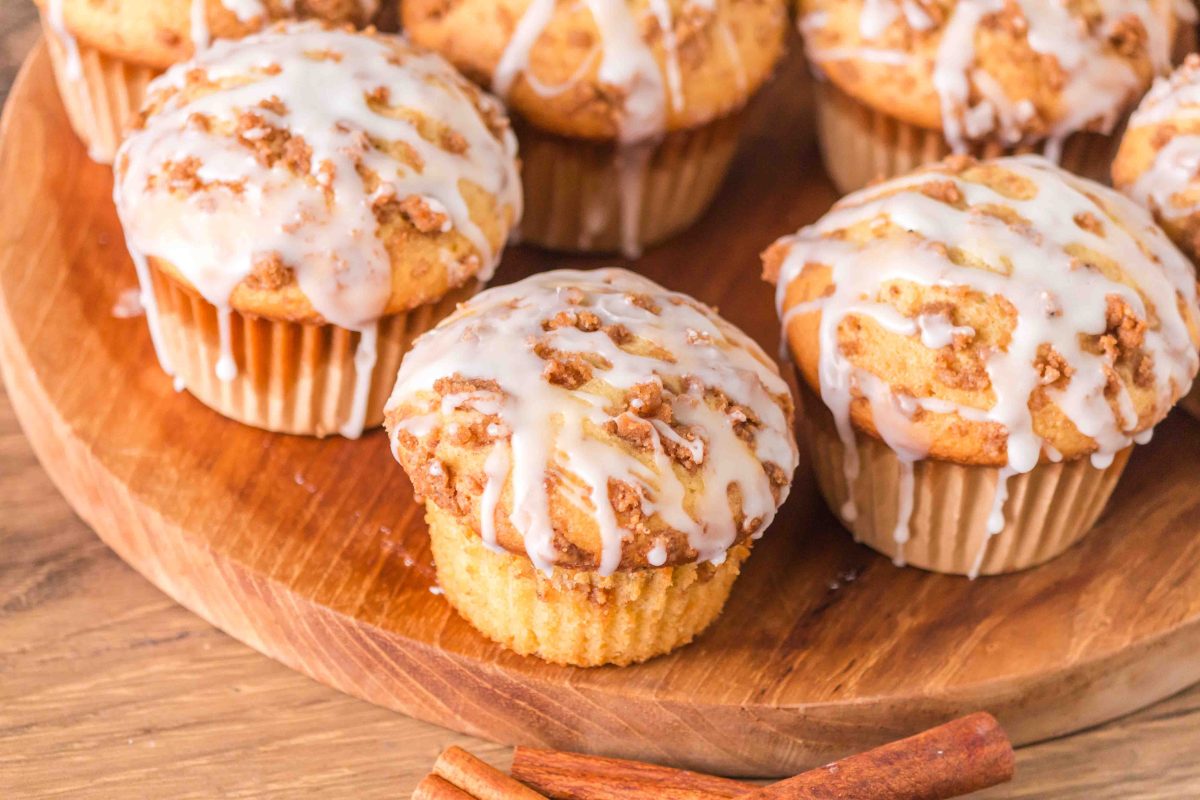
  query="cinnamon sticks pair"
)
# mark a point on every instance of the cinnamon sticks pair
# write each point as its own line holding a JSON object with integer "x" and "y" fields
{"x": 951, "y": 760}
{"x": 458, "y": 775}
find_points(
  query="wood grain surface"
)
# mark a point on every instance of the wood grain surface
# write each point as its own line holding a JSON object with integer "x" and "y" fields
{"x": 106, "y": 687}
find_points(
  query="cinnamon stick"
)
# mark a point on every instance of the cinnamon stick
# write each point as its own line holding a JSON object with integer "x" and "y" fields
{"x": 575, "y": 776}
{"x": 433, "y": 787}
{"x": 954, "y": 759}
{"x": 479, "y": 780}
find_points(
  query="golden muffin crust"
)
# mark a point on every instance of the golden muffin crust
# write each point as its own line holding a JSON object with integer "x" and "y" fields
{"x": 315, "y": 174}
{"x": 159, "y": 33}
{"x": 594, "y": 420}
{"x": 608, "y": 69}
{"x": 1158, "y": 163}
{"x": 1013, "y": 71}
{"x": 991, "y": 313}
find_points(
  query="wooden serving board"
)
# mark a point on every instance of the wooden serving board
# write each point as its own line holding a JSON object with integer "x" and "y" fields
{"x": 314, "y": 552}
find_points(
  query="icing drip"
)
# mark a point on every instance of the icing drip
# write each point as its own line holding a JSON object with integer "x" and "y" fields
{"x": 226, "y": 367}
{"x": 1175, "y": 171}
{"x": 365, "y": 356}
{"x": 684, "y": 352}
{"x": 150, "y": 304}
{"x": 633, "y": 161}
{"x": 1097, "y": 85}
{"x": 230, "y": 209}
{"x": 54, "y": 17}
{"x": 1035, "y": 269}
{"x": 662, "y": 12}
{"x": 198, "y": 20}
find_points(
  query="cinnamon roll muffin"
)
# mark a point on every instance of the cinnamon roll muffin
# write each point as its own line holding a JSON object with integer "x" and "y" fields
{"x": 906, "y": 82}
{"x": 980, "y": 345}
{"x": 300, "y": 204}
{"x": 1158, "y": 164}
{"x": 597, "y": 456}
{"x": 627, "y": 109}
{"x": 105, "y": 52}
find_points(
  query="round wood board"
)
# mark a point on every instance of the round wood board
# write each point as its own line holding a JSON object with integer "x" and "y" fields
{"x": 314, "y": 552}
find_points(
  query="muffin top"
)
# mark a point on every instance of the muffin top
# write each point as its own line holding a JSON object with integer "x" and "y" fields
{"x": 997, "y": 313}
{"x": 159, "y": 33}
{"x": 315, "y": 174}
{"x": 608, "y": 69}
{"x": 1012, "y": 71}
{"x": 595, "y": 420}
{"x": 1158, "y": 164}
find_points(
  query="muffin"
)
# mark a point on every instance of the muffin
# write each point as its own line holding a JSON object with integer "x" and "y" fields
{"x": 597, "y": 455}
{"x": 627, "y": 112}
{"x": 980, "y": 345}
{"x": 105, "y": 53}
{"x": 909, "y": 82}
{"x": 300, "y": 204}
{"x": 1158, "y": 163}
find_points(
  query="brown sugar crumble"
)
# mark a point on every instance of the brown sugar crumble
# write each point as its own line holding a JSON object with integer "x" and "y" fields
{"x": 270, "y": 273}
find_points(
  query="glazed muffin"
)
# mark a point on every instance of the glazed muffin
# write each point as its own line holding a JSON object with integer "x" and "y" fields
{"x": 597, "y": 455}
{"x": 105, "y": 52}
{"x": 627, "y": 111}
{"x": 1158, "y": 164}
{"x": 300, "y": 204}
{"x": 980, "y": 345}
{"x": 907, "y": 82}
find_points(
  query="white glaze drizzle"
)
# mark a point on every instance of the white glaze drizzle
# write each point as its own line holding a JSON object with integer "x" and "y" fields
{"x": 492, "y": 338}
{"x": 1056, "y": 301}
{"x": 198, "y": 25}
{"x": 1098, "y": 83}
{"x": 54, "y": 17}
{"x": 150, "y": 304}
{"x": 626, "y": 61}
{"x": 314, "y": 83}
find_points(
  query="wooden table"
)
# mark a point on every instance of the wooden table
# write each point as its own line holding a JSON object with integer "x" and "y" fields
{"x": 107, "y": 688}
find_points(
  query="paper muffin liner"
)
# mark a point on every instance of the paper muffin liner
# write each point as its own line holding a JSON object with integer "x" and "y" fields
{"x": 606, "y": 197}
{"x": 859, "y": 144}
{"x": 1048, "y": 509}
{"x": 576, "y": 617}
{"x": 103, "y": 98}
{"x": 290, "y": 377}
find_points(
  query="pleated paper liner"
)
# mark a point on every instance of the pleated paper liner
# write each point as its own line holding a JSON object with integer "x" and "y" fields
{"x": 606, "y": 197}
{"x": 291, "y": 377}
{"x": 859, "y": 145}
{"x": 576, "y": 617}
{"x": 1048, "y": 509}
{"x": 103, "y": 98}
